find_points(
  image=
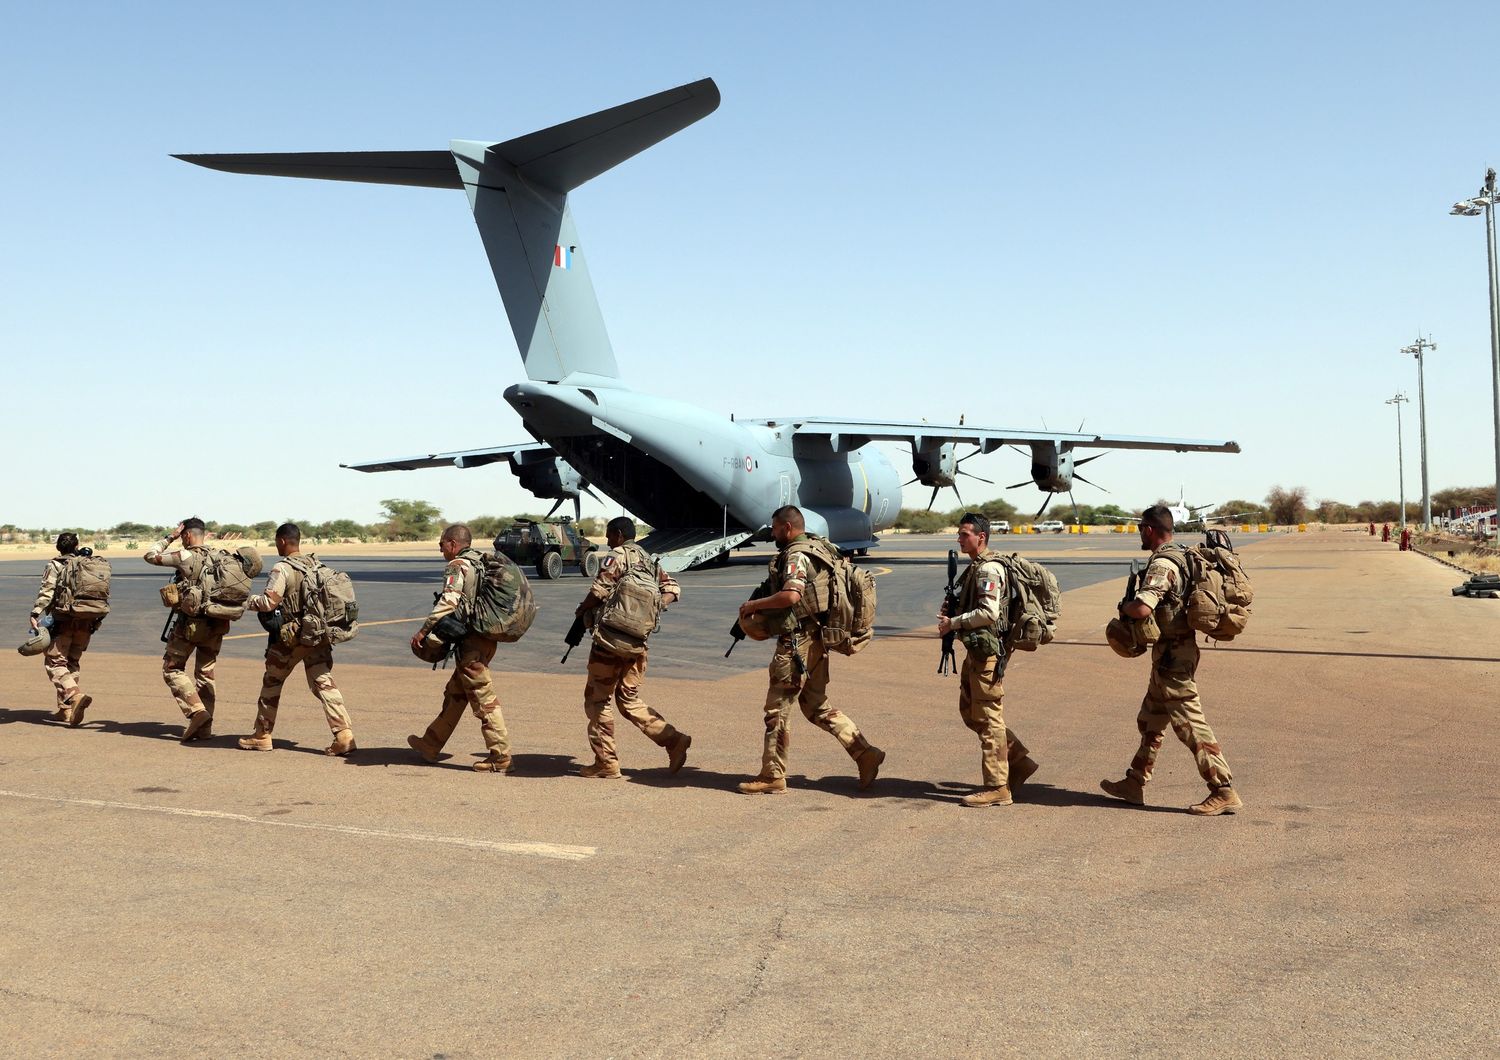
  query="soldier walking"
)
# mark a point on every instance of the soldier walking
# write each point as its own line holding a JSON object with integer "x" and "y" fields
{"x": 1003, "y": 761}
{"x": 70, "y": 637}
{"x": 799, "y": 580}
{"x": 1172, "y": 694}
{"x": 628, "y": 593}
{"x": 285, "y": 590}
{"x": 470, "y": 686}
{"x": 199, "y": 636}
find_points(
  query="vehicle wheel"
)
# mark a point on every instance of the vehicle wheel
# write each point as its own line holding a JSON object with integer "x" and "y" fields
{"x": 590, "y": 567}
{"x": 861, "y": 552}
{"x": 550, "y": 566}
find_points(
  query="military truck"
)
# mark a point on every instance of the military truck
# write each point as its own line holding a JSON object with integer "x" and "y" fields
{"x": 549, "y": 547}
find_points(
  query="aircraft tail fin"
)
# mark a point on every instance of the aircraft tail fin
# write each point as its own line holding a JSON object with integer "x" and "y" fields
{"x": 519, "y": 192}
{"x": 518, "y": 189}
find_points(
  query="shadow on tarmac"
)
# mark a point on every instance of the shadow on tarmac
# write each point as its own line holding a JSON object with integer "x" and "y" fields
{"x": 1047, "y": 795}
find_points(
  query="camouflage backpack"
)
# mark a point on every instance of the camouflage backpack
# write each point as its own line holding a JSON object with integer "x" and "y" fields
{"x": 841, "y": 597}
{"x": 1216, "y": 591}
{"x": 219, "y": 584}
{"x": 635, "y": 607}
{"x": 1035, "y": 603}
{"x": 82, "y": 586}
{"x": 502, "y": 607}
{"x": 325, "y": 608}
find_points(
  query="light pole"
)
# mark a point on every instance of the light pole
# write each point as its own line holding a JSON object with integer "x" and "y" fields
{"x": 1416, "y": 349}
{"x": 1484, "y": 203}
{"x": 1399, "y": 400}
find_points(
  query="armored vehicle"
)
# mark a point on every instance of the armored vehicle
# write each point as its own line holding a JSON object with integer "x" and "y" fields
{"x": 549, "y": 547}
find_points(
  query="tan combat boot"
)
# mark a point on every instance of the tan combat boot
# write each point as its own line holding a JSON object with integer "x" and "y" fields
{"x": 1020, "y": 771}
{"x": 199, "y": 726}
{"x": 764, "y": 786}
{"x": 420, "y": 745}
{"x": 1129, "y": 789}
{"x": 63, "y": 714}
{"x": 677, "y": 752}
{"x": 494, "y": 763}
{"x": 256, "y": 741}
{"x": 1220, "y": 800}
{"x": 81, "y": 705}
{"x": 989, "y": 797}
{"x": 869, "y": 761}
{"x": 597, "y": 770}
{"x": 343, "y": 743}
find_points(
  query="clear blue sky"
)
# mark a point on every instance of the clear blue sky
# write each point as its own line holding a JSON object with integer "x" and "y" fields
{"x": 1179, "y": 219}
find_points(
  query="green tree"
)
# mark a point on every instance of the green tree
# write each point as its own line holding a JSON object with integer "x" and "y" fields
{"x": 1462, "y": 497}
{"x": 920, "y": 521}
{"x": 410, "y": 520}
{"x": 1287, "y": 506}
{"x": 134, "y": 530}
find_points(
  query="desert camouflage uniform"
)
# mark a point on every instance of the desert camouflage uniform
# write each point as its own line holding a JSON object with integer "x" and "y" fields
{"x": 617, "y": 664}
{"x": 1172, "y": 695}
{"x": 980, "y": 692}
{"x": 196, "y": 692}
{"x": 470, "y": 686}
{"x": 70, "y": 639}
{"x": 284, "y": 585}
{"x": 810, "y": 690}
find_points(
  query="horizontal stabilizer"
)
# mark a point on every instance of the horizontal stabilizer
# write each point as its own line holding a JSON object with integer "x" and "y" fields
{"x": 564, "y": 156}
{"x": 466, "y": 458}
{"x": 413, "y": 169}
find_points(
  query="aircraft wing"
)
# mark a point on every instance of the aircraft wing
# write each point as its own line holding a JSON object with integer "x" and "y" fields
{"x": 845, "y": 435}
{"x": 464, "y": 459}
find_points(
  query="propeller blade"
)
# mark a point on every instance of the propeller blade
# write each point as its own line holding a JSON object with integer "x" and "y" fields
{"x": 933, "y": 499}
{"x": 592, "y": 494}
{"x": 1018, "y": 485}
{"x": 1096, "y": 485}
{"x": 556, "y": 505}
{"x": 577, "y": 508}
{"x": 957, "y": 494}
{"x": 970, "y": 474}
{"x": 908, "y": 482}
{"x": 1075, "y": 507}
{"x": 1023, "y": 452}
{"x": 1043, "y": 508}
{"x": 1085, "y": 460}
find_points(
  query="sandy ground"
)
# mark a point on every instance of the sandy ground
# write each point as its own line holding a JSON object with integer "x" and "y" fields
{"x": 170, "y": 899}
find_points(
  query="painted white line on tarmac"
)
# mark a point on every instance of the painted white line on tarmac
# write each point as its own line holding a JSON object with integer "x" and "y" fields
{"x": 556, "y": 851}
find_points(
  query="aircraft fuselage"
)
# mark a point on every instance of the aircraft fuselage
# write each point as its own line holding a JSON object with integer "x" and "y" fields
{"x": 676, "y": 464}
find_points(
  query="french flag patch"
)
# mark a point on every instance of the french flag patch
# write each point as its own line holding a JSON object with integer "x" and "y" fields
{"x": 562, "y": 257}
{"x": 988, "y": 588}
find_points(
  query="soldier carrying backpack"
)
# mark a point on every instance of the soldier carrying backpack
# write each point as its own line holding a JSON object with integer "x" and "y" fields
{"x": 625, "y": 604}
{"x": 307, "y": 608}
{"x": 485, "y": 600}
{"x": 75, "y": 593}
{"x": 1004, "y": 603}
{"x": 206, "y": 594}
{"x": 814, "y": 599}
{"x": 1176, "y": 592}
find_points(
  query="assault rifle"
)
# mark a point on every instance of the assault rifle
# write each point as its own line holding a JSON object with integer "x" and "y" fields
{"x": 948, "y": 662}
{"x": 575, "y": 634}
{"x": 736, "y": 631}
{"x": 1132, "y": 582}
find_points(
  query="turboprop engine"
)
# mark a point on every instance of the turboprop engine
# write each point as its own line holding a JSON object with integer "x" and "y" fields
{"x": 937, "y": 466}
{"x": 1053, "y": 470}
{"x": 552, "y": 478}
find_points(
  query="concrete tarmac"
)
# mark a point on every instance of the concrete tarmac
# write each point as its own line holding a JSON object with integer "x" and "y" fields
{"x": 170, "y": 899}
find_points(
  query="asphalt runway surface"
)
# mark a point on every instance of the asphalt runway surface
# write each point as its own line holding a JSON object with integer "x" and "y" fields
{"x": 395, "y": 594}
{"x": 162, "y": 899}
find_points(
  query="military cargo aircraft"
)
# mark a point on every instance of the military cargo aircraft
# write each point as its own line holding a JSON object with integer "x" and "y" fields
{"x": 706, "y": 482}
